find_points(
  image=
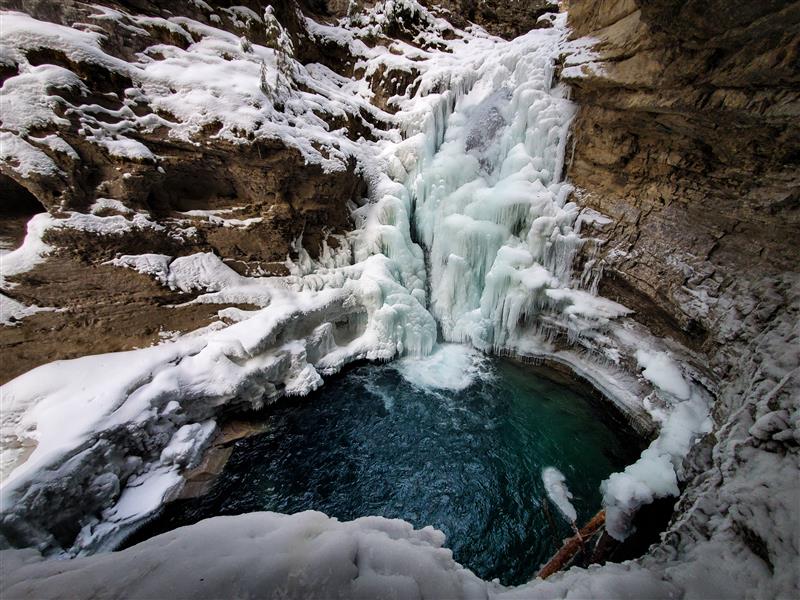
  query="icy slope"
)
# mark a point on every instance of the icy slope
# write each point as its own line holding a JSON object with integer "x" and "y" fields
{"x": 306, "y": 555}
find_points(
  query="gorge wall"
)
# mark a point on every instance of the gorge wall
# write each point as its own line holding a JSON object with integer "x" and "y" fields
{"x": 209, "y": 188}
{"x": 687, "y": 136}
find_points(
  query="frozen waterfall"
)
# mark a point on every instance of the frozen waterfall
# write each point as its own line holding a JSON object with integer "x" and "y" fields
{"x": 469, "y": 222}
{"x": 490, "y": 206}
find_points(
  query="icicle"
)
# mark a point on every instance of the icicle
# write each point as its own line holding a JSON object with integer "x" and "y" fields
{"x": 492, "y": 211}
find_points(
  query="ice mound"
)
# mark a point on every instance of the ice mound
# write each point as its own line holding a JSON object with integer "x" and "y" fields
{"x": 450, "y": 367}
{"x": 682, "y": 411}
{"x": 559, "y": 494}
{"x": 663, "y": 372}
{"x": 264, "y": 555}
{"x": 305, "y": 555}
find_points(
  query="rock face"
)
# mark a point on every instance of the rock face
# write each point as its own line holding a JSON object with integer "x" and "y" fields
{"x": 101, "y": 309}
{"x": 242, "y": 180}
{"x": 687, "y": 136}
{"x": 253, "y": 202}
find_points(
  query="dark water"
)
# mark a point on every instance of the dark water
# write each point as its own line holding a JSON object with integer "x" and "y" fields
{"x": 467, "y": 461}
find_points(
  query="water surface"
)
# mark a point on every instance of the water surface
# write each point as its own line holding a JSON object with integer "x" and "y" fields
{"x": 457, "y": 441}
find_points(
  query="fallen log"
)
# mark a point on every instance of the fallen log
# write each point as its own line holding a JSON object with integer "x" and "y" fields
{"x": 572, "y": 546}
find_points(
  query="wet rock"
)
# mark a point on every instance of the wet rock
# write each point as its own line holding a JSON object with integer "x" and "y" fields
{"x": 200, "y": 479}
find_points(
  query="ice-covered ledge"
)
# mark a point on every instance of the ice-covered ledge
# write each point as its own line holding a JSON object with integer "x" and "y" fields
{"x": 305, "y": 555}
{"x": 618, "y": 387}
{"x": 110, "y": 449}
{"x": 652, "y": 383}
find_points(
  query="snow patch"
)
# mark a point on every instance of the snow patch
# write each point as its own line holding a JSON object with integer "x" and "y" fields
{"x": 32, "y": 251}
{"x": 663, "y": 372}
{"x": 12, "y": 311}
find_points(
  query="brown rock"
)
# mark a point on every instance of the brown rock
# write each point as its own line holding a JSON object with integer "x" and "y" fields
{"x": 688, "y": 139}
{"x": 504, "y": 19}
{"x": 100, "y": 309}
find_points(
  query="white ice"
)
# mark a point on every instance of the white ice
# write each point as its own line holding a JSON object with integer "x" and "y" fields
{"x": 558, "y": 492}
{"x": 449, "y": 367}
{"x": 663, "y": 372}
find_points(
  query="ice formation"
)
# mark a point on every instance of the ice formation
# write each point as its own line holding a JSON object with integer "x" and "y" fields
{"x": 467, "y": 232}
{"x": 449, "y": 367}
{"x": 683, "y": 415}
{"x": 490, "y": 206}
{"x": 558, "y": 492}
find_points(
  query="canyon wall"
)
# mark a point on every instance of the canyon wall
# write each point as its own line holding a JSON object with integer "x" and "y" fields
{"x": 109, "y": 151}
{"x": 688, "y": 138}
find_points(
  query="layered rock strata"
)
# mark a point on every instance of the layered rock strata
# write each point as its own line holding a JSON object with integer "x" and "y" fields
{"x": 687, "y": 137}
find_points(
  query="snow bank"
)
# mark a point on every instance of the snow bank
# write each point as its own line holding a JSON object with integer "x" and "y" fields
{"x": 25, "y": 158}
{"x": 115, "y": 444}
{"x": 109, "y": 204}
{"x": 663, "y": 372}
{"x": 32, "y": 251}
{"x": 305, "y": 555}
{"x": 11, "y": 311}
{"x": 683, "y": 413}
{"x": 107, "y": 225}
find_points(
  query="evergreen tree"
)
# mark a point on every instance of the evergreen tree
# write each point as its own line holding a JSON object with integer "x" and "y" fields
{"x": 279, "y": 90}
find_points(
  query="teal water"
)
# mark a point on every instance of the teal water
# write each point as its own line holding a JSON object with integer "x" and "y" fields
{"x": 379, "y": 440}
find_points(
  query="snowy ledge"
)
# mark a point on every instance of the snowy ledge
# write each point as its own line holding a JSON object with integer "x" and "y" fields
{"x": 115, "y": 446}
{"x": 616, "y": 386}
{"x": 305, "y": 555}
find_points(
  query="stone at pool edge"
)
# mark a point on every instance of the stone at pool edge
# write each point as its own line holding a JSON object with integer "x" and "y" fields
{"x": 198, "y": 481}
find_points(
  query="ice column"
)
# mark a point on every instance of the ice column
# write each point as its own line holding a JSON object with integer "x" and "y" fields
{"x": 490, "y": 206}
